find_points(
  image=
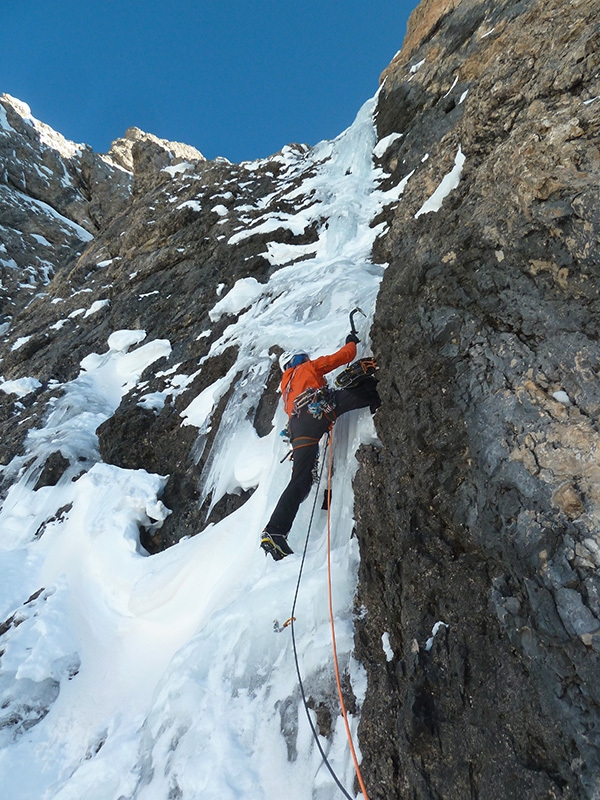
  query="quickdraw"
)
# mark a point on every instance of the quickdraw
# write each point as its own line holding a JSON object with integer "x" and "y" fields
{"x": 280, "y": 628}
{"x": 316, "y": 401}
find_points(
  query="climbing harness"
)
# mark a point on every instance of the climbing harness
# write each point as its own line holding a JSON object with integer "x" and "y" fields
{"x": 292, "y": 620}
{"x": 297, "y": 443}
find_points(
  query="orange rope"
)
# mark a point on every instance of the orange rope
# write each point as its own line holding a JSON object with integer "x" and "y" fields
{"x": 335, "y": 658}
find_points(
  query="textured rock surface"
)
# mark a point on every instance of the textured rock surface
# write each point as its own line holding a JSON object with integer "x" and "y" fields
{"x": 481, "y": 508}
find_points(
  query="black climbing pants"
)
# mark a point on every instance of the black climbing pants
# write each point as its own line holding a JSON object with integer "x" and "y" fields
{"x": 306, "y": 431}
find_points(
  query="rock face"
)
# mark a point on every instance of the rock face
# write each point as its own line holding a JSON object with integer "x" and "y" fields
{"x": 54, "y": 196}
{"x": 478, "y": 512}
{"x": 156, "y": 263}
{"x": 481, "y": 509}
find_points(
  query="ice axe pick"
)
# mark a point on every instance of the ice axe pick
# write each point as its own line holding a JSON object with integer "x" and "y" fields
{"x": 352, "y": 313}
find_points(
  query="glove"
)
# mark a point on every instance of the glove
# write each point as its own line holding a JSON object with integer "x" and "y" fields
{"x": 352, "y": 337}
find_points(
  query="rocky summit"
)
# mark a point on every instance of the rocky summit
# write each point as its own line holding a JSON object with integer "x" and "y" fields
{"x": 468, "y": 193}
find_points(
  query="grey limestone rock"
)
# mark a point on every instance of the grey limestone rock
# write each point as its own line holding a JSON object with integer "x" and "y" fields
{"x": 478, "y": 506}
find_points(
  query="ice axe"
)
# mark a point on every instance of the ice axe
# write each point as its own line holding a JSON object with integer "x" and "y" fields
{"x": 354, "y": 311}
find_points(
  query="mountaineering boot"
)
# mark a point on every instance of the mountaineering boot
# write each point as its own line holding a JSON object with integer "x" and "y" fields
{"x": 275, "y": 544}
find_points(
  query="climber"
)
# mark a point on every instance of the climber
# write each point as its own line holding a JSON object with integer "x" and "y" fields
{"x": 312, "y": 408}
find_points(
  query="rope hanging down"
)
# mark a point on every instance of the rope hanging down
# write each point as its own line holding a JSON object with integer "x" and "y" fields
{"x": 292, "y": 619}
{"x": 331, "y": 620}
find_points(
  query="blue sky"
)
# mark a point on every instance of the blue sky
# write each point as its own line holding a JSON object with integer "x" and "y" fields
{"x": 237, "y": 78}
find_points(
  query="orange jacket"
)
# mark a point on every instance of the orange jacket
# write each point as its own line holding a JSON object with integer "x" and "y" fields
{"x": 309, "y": 375}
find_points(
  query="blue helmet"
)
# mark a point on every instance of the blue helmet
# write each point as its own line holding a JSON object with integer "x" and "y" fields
{"x": 289, "y": 360}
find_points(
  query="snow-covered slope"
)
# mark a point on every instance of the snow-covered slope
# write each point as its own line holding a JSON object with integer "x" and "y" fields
{"x": 125, "y": 675}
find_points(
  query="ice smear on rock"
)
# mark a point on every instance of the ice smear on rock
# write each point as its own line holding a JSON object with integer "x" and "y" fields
{"x": 448, "y": 183}
{"x": 20, "y": 386}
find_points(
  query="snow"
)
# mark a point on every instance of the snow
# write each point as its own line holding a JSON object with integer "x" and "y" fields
{"x": 177, "y": 169}
{"x": 43, "y": 174}
{"x": 121, "y": 341}
{"x": 193, "y": 204}
{"x": 200, "y": 409}
{"x": 4, "y": 123}
{"x": 57, "y": 141}
{"x": 416, "y": 67}
{"x": 70, "y": 427}
{"x": 396, "y": 192}
{"x": 9, "y": 263}
{"x": 177, "y": 384}
{"x": 562, "y": 397}
{"x": 154, "y": 401}
{"x": 162, "y": 676}
{"x": 448, "y": 184}
{"x": 293, "y": 222}
{"x": 96, "y": 306}
{"x": 245, "y": 291}
{"x": 278, "y": 253}
{"x": 41, "y": 239}
{"x": 384, "y": 144}
{"x": 20, "y": 386}
{"x": 20, "y": 342}
{"x": 387, "y": 648}
{"x": 452, "y": 87}
{"x": 38, "y": 206}
{"x": 434, "y": 631}
{"x": 221, "y": 210}
{"x": 48, "y": 135}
